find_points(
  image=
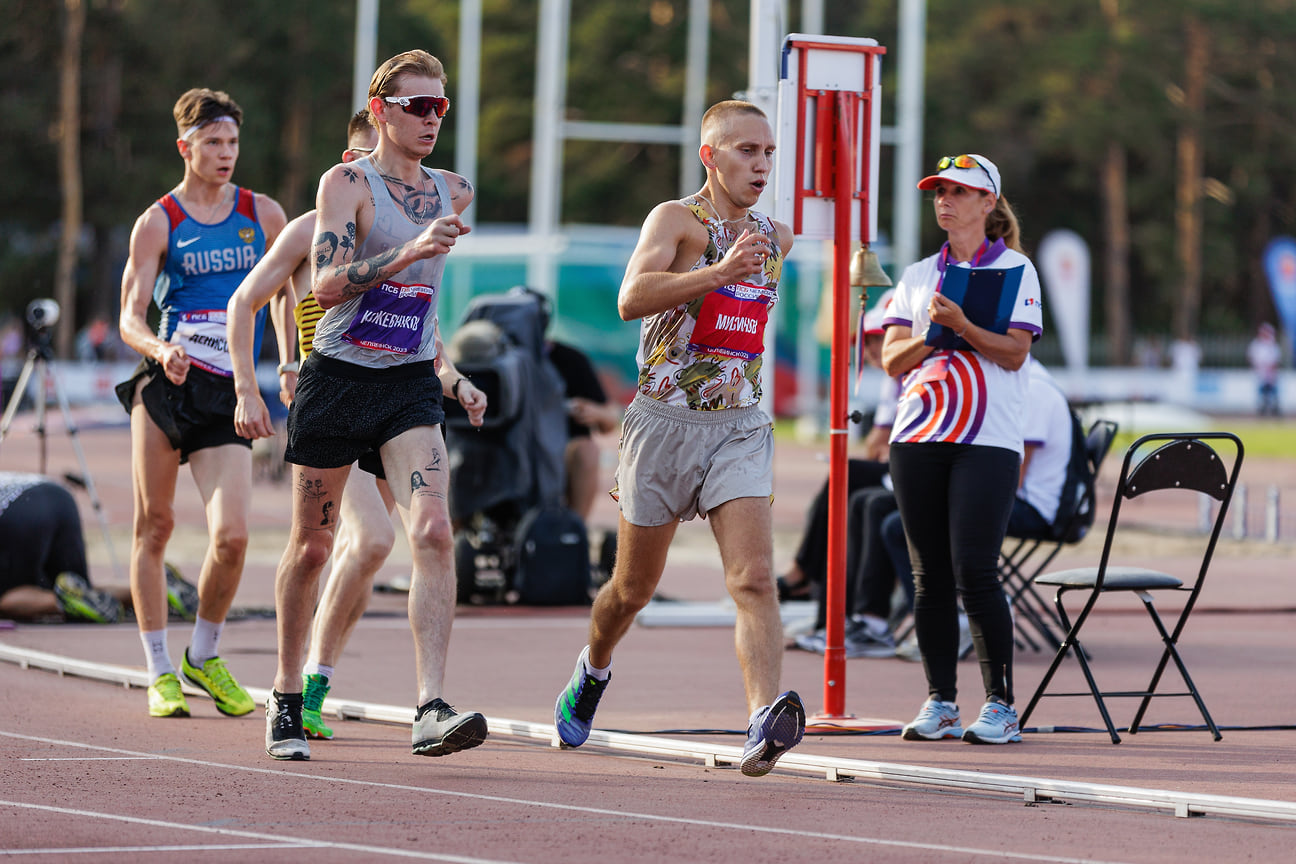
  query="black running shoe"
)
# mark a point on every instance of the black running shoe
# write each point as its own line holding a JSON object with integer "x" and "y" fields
{"x": 440, "y": 730}
{"x": 284, "y": 736}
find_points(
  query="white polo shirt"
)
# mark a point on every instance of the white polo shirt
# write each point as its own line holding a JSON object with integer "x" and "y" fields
{"x": 960, "y": 396}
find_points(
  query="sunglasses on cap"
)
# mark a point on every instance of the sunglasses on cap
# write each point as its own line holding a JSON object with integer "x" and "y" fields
{"x": 421, "y": 106}
{"x": 965, "y": 161}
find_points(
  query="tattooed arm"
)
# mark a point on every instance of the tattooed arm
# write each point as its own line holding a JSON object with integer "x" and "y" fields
{"x": 461, "y": 191}
{"x": 344, "y": 213}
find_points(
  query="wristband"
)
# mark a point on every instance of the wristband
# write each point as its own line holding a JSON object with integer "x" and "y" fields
{"x": 964, "y": 330}
{"x": 289, "y": 367}
{"x": 454, "y": 391}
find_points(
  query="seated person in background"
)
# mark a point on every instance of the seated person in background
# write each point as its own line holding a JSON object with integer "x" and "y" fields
{"x": 1047, "y": 440}
{"x": 588, "y": 411}
{"x": 810, "y": 565}
{"x": 43, "y": 570}
{"x": 876, "y": 554}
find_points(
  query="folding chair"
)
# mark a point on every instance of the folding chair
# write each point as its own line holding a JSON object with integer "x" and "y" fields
{"x": 1184, "y": 461}
{"x": 1072, "y": 526}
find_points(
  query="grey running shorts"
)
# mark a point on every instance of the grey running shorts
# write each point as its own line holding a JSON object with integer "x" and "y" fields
{"x": 676, "y": 463}
{"x": 194, "y": 415}
{"x": 343, "y": 411}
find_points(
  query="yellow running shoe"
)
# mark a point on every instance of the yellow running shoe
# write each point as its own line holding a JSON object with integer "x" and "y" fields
{"x": 165, "y": 698}
{"x": 216, "y": 680}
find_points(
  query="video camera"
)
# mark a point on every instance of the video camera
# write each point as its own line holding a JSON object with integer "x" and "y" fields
{"x": 42, "y": 314}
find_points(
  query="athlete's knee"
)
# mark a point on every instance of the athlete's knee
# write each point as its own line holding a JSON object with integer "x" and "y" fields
{"x": 628, "y": 594}
{"x": 433, "y": 532}
{"x": 153, "y": 527}
{"x": 753, "y": 582}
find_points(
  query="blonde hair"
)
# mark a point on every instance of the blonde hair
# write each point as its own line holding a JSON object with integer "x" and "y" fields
{"x": 718, "y": 116}
{"x": 386, "y": 79}
{"x": 1001, "y": 224}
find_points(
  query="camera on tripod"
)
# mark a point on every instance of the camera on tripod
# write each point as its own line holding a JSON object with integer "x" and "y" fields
{"x": 42, "y": 314}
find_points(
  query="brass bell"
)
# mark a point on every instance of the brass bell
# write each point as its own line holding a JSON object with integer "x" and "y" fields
{"x": 866, "y": 272}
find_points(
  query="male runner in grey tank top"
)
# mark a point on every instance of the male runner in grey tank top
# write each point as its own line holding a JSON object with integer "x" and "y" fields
{"x": 375, "y": 380}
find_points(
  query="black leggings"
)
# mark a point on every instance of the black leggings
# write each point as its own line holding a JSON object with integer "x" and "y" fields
{"x": 955, "y": 500}
{"x": 40, "y": 537}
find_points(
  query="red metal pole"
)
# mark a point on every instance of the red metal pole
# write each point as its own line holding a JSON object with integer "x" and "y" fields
{"x": 843, "y": 199}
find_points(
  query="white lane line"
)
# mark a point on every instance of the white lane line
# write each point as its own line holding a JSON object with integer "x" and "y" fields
{"x": 272, "y": 841}
{"x": 104, "y": 850}
{"x": 87, "y": 758}
{"x": 572, "y": 808}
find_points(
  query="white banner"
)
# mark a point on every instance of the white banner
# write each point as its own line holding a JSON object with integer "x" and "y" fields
{"x": 1063, "y": 260}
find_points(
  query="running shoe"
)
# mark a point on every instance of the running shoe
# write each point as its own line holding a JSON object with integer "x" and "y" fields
{"x": 317, "y": 687}
{"x": 284, "y": 736}
{"x": 81, "y": 602}
{"x": 230, "y": 697}
{"x": 935, "y": 721}
{"x": 574, "y": 710}
{"x": 863, "y": 641}
{"x": 165, "y": 698}
{"x": 996, "y": 725}
{"x": 815, "y": 643}
{"x": 182, "y": 596}
{"x": 775, "y": 729}
{"x": 439, "y": 730}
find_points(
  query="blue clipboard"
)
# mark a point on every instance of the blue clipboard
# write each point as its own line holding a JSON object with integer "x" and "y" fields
{"x": 987, "y": 296}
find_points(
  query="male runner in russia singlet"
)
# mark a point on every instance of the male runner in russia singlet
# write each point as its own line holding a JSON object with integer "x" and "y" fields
{"x": 188, "y": 253}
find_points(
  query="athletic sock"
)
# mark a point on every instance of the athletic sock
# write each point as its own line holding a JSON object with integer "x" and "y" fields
{"x": 590, "y": 669}
{"x": 204, "y": 641}
{"x": 155, "y": 651}
{"x": 314, "y": 668}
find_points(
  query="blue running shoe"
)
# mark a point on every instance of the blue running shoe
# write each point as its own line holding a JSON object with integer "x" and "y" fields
{"x": 574, "y": 711}
{"x": 776, "y": 729}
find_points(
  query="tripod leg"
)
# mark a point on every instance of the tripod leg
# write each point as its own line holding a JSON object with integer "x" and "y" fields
{"x": 19, "y": 389}
{"x": 71, "y": 427}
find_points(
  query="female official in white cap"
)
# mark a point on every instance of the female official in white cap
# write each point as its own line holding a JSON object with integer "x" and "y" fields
{"x": 956, "y": 444}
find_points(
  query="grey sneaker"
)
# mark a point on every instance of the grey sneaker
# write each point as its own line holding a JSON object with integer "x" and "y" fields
{"x": 439, "y": 730}
{"x": 284, "y": 736}
{"x": 935, "y": 721}
{"x": 862, "y": 641}
{"x": 815, "y": 642}
{"x": 996, "y": 725}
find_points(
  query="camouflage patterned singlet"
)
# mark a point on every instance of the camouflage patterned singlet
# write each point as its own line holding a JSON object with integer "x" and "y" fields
{"x": 706, "y": 354}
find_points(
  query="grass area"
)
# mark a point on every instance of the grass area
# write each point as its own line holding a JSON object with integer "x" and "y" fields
{"x": 1261, "y": 437}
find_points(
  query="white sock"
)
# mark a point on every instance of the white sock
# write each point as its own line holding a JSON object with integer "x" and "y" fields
{"x": 204, "y": 641}
{"x": 155, "y": 651}
{"x": 314, "y": 668}
{"x": 590, "y": 669}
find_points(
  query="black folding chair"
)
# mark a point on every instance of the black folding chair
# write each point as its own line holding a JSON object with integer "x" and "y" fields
{"x": 1178, "y": 462}
{"x": 1023, "y": 558}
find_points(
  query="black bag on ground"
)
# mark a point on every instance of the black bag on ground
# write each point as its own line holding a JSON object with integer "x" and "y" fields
{"x": 553, "y": 561}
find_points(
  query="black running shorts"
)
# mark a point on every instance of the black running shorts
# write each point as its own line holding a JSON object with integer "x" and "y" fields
{"x": 194, "y": 415}
{"x": 342, "y": 411}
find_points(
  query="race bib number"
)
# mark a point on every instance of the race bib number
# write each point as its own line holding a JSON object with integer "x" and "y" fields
{"x": 391, "y": 318}
{"x": 202, "y": 333}
{"x": 732, "y": 321}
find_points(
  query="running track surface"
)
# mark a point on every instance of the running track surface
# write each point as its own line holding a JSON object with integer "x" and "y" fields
{"x": 86, "y": 775}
